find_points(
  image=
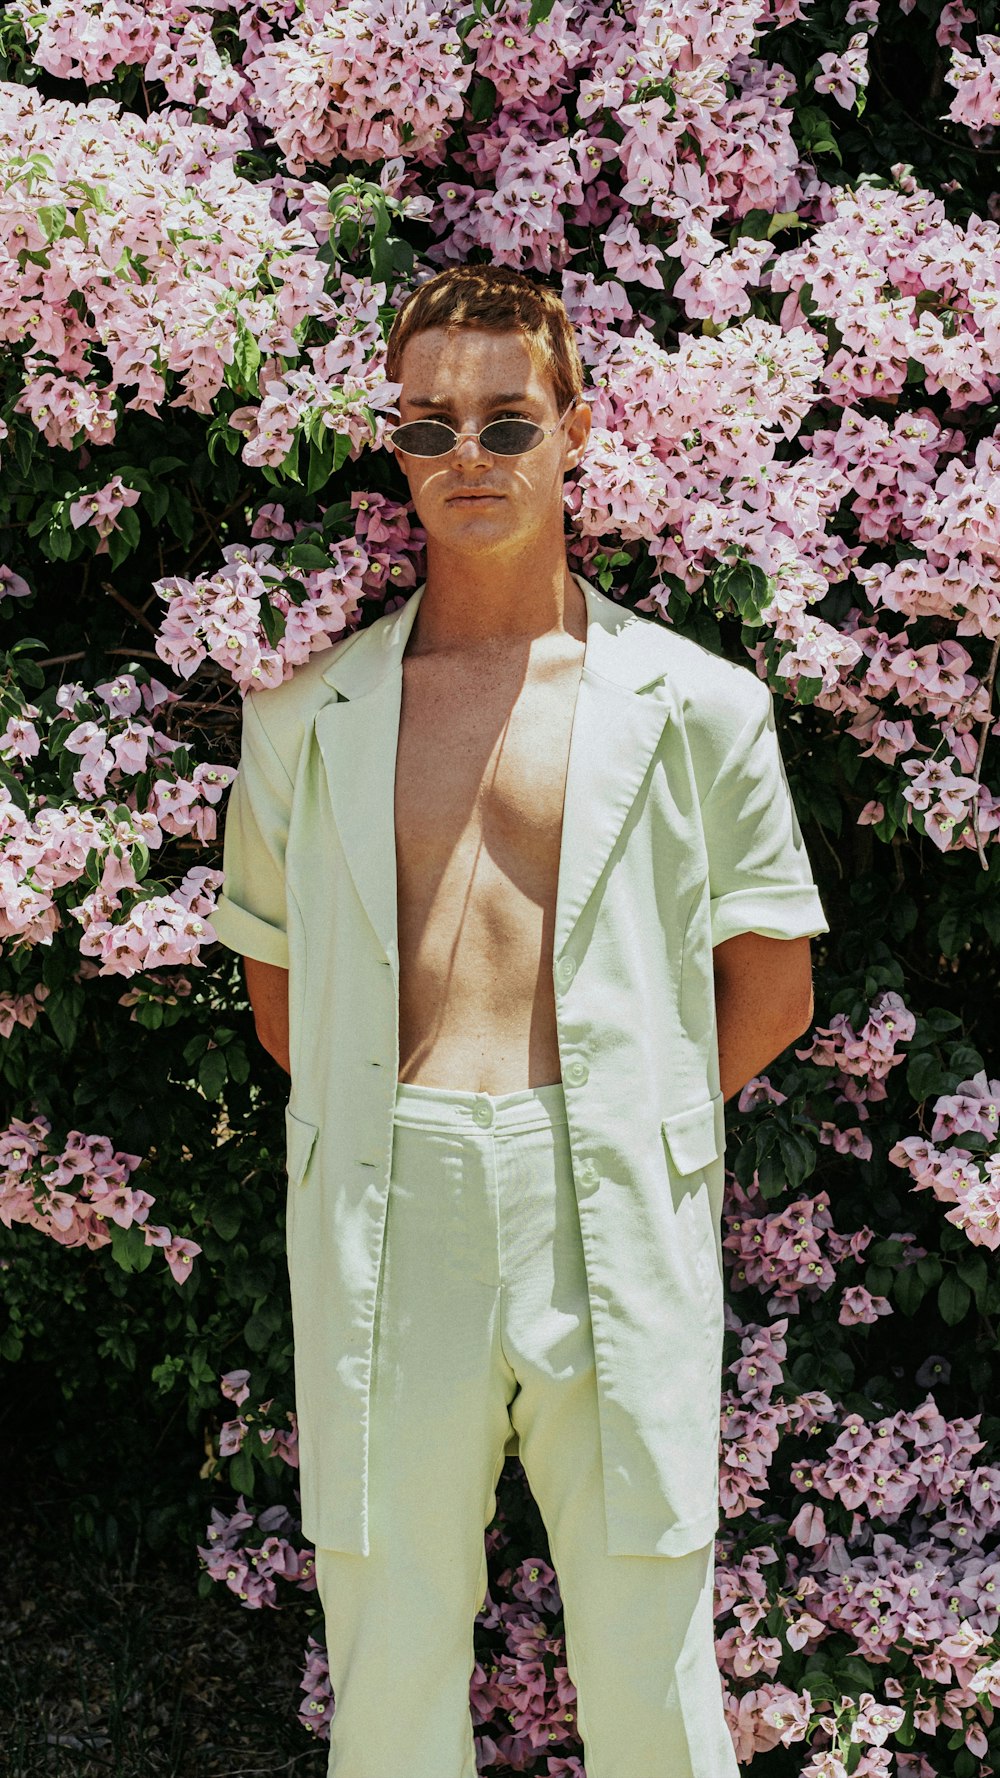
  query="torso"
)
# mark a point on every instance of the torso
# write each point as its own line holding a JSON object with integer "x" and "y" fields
{"x": 480, "y": 784}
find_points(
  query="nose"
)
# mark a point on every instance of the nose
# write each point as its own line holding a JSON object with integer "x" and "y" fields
{"x": 469, "y": 450}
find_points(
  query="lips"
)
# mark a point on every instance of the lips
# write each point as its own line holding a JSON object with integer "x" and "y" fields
{"x": 482, "y": 496}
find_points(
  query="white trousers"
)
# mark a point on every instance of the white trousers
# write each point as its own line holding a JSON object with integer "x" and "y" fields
{"x": 483, "y": 1324}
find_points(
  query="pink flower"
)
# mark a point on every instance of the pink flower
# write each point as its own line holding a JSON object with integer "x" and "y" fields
{"x": 857, "y": 1305}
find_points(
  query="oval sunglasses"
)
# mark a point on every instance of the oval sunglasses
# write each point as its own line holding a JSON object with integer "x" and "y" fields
{"x": 502, "y": 438}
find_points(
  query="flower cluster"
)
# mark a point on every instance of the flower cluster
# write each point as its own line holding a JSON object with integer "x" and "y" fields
{"x": 121, "y": 243}
{"x": 861, "y": 1061}
{"x": 253, "y": 1554}
{"x": 366, "y": 80}
{"x": 789, "y": 1252}
{"x": 126, "y": 923}
{"x": 272, "y": 1440}
{"x": 967, "y": 1178}
{"x": 218, "y": 616}
{"x": 74, "y": 1194}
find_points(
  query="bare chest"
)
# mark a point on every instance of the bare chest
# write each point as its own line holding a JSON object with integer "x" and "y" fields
{"x": 481, "y": 768}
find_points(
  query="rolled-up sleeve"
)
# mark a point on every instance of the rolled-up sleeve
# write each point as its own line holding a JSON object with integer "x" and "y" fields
{"x": 250, "y": 913}
{"x": 759, "y": 872}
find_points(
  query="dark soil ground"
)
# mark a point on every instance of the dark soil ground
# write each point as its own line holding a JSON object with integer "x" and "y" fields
{"x": 116, "y": 1668}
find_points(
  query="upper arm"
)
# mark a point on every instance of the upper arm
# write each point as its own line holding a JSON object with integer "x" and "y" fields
{"x": 760, "y": 878}
{"x": 250, "y": 913}
{"x": 757, "y": 969}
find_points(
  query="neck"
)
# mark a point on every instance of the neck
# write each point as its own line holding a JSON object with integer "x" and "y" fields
{"x": 470, "y": 601}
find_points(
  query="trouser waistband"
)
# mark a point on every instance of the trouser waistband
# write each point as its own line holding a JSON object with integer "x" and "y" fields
{"x": 447, "y": 1108}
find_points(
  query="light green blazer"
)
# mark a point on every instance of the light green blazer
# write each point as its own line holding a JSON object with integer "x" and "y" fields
{"x": 678, "y": 832}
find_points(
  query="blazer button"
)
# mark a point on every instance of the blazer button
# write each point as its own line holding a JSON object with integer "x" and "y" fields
{"x": 576, "y": 1072}
{"x": 588, "y": 1175}
{"x": 565, "y": 971}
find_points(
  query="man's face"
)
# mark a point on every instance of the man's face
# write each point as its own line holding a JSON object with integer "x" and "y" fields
{"x": 470, "y": 500}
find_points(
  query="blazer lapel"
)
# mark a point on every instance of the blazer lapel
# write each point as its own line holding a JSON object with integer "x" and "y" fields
{"x": 621, "y": 711}
{"x": 357, "y": 735}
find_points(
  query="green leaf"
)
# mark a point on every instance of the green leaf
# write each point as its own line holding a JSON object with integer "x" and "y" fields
{"x": 321, "y": 458}
{"x": 820, "y": 1684}
{"x": 238, "y": 1062}
{"x": 213, "y": 1073}
{"x": 58, "y": 545}
{"x": 953, "y": 1298}
{"x": 906, "y": 1733}
{"x": 247, "y": 356}
{"x": 180, "y": 517}
{"x": 771, "y": 1175}
{"x": 908, "y": 1290}
{"x": 972, "y": 1269}
{"x": 51, "y": 220}
{"x": 156, "y": 502}
{"x": 853, "y": 1671}
{"x": 64, "y": 1007}
{"x": 885, "y": 1253}
{"x": 925, "y": 1075}
{"x": 241, "y": 1476}
{"x": 260, "y": 1327}
{"x": 15, "y": 787}
{"x": 484, "y": 97}
{"x": 540, "y": 10}
{"x": 128, "y": 1246}
{"x": 288, "y": 468}
{"x": 227, "y": 1218}
{"x": 954, "y": 931}
{"x": 309, "y": 556}
{"x": 781, "y": 220}
{"x": 337, "y": 515}
{"x": 272, "y": 622}
{"x": 798, "y": 1156}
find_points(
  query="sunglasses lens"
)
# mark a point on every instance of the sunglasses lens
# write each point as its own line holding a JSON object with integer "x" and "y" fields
{"x": 423, "y": 438}
{"x": 509, "y": 438}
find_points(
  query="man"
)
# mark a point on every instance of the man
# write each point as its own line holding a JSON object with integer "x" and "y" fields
{"x": 523, "y": 899}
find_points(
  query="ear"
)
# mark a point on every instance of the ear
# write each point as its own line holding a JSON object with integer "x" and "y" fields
{"x": 577, "y": 434}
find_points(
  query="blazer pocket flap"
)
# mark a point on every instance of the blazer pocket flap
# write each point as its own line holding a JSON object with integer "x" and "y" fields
{"x": 300, "y": 1135}
{"x": 694, "y": 1137}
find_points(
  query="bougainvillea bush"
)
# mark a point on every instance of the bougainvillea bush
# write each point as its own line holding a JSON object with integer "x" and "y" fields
{"x": 775, "y": 224}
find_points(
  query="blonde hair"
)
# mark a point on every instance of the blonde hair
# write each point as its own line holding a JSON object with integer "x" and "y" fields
{"x": 499, "y": 298}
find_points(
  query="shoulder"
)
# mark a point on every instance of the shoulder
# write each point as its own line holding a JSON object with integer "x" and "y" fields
{"x": 713, "y": 699}
{"x": 285, "y": 711}
{"x": 711, "y": 687}
{"x": 708, "y": 689}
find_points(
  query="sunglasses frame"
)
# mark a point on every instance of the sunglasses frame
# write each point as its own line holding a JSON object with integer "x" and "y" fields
{"x": 546, "y": 432}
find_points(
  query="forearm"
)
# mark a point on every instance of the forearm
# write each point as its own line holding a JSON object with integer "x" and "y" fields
{"x": 748, "y": 1043}
{"x": 267, "y": 986}
{"x": 763, "y": 1001}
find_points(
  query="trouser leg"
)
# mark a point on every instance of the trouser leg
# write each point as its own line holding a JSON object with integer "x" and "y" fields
{"x": 639, "y": 1630}
{"x": 400, "y": 1621}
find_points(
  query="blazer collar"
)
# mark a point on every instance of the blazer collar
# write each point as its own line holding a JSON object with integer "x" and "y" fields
{"x": 616, "y": 647}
